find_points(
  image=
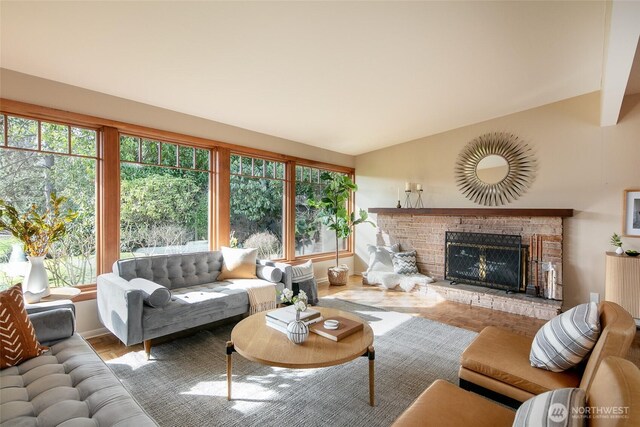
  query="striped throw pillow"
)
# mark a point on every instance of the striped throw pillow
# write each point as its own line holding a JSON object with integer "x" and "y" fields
{"x": 301, "y": 273}
{"x": 556, "y": 408}
{"x": 18, "y": 340}
{"x": 565, "y": 340}
{"x": 405, "y": 262}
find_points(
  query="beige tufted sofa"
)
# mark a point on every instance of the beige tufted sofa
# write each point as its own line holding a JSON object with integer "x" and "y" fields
{"x": 69, "y": 385}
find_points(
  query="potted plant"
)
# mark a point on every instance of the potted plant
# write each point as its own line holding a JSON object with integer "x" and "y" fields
{"x": 37, "y": 232}
{"x": 617, "y": 242}
{"x": 332, "y": 211}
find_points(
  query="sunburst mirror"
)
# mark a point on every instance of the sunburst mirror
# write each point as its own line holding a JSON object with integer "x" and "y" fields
{"x": 495, "y": 169}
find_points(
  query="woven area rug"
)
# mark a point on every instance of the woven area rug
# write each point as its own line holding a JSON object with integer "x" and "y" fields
{"x": 185, "y": 382}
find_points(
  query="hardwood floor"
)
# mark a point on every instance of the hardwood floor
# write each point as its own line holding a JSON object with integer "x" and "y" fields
{"x": 429, "y": 305}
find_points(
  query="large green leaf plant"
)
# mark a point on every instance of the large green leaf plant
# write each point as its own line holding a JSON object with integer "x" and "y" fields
{"x": 332, "y": 208}
{"x": 37, "y": 231}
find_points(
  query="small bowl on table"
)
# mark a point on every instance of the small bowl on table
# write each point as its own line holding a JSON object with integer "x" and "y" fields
{"x": 631, "y": 252}
{"x": 331, "y": 324}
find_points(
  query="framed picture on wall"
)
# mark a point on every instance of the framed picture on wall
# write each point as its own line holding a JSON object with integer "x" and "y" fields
{"x": 631, "y": 212}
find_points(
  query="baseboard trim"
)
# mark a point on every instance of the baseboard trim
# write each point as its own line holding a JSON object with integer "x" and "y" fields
{"x": 493, "y": 395}
{"x": 94, "y": 333}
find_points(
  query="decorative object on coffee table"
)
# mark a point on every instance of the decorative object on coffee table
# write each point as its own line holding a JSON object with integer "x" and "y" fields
{"x": 37, "y": 232}
{"x": 631, "y": 213}
{"x": 333, "y": 212}
{"x": 495, "y": 169}
{"x": 297, "y": 330}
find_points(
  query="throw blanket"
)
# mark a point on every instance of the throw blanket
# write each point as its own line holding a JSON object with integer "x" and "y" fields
{"x": 262, "y": 295}
{"x": 391, "y": 280}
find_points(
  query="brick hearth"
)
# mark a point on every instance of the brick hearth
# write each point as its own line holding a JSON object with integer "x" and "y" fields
{"x": 426, "y": 234}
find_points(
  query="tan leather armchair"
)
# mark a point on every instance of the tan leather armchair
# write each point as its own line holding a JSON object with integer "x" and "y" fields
{"x": 615, "y": 385}
{"x": 496, "y": 364}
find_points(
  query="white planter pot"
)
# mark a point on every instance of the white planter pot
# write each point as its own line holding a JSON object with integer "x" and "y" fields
{"x": 619, "y": 250}
{"x": 36, "y": 281}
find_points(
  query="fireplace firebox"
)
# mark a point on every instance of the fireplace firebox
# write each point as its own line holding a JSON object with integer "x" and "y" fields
{"x": 491, "y": 260}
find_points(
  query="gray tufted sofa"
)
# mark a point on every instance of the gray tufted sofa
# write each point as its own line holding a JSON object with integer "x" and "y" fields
{"x": 69, "y": 385}
{"x": 196, "y": 297}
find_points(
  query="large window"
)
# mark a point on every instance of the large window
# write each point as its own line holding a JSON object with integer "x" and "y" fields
{"x": 164, "y": 197}
{"x": 167, "y": 196}
{"x": 257, "y": 205}
{"x": 312, "y": 237}
{"x": 36, "y": 159}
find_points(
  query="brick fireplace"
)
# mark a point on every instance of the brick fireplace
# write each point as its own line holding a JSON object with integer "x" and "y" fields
{"x": 424, "y": 230}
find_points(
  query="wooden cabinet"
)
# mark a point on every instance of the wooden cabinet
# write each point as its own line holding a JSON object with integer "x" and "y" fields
{"x": 622, "y": 282}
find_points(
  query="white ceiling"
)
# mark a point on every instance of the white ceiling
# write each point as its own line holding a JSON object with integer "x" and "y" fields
{"x": 347, "y": 76}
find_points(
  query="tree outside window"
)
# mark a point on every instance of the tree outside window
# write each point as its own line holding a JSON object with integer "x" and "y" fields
{"x": 39, "y": 158}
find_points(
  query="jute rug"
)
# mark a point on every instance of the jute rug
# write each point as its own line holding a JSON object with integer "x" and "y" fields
{"x": 185, "y": 382}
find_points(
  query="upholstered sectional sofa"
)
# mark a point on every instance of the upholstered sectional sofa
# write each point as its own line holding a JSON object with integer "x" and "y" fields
{"x": 125, "y": 307}
{"x": 69, "y": 385}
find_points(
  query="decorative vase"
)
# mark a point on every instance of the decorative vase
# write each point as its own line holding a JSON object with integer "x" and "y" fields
{"x": 619, "y": 250}
{"x": 36, "y": 281}
{"x": 297, "y": 331}
{"x": 338, "y": 276}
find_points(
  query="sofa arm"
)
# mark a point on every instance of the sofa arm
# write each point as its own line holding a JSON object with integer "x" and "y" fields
{"x": 120, "y": 308}
{"x": 52, "y": 320}
{"x": 285, "y": 268}
{"x": 50, "y": 305}
{"x": 53, "y": 325}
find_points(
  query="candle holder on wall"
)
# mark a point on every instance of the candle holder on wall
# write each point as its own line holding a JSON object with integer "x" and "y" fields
{"x": 419, "y": 201}
{"x": 407, "y": 199}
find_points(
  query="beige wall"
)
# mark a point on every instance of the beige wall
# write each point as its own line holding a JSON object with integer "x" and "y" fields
{"x": 22, "y": 87}
{"x": 580, "y": 165}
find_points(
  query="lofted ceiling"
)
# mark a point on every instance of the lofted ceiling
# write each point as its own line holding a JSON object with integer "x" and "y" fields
{"x": 347, "y": 76}
{"x": 633, "y": 86}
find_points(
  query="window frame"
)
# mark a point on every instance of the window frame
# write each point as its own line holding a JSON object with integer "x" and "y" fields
{"x": 324, "y": 256}
{"x": 285, "y": 192}
{"x": 6, "y": 113}
{"x": 108, "y": 180}
{"x": 211, "y": 171}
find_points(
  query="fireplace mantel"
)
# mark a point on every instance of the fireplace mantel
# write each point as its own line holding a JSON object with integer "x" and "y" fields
{"x": 562, "y": 213}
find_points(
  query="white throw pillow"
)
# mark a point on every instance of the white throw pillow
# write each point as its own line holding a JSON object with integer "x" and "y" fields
{"x": 556, "y": 408}
{"x": 302, "y": 272}
{"x": 379, "y": 259}
{"x": 565, "y": 340}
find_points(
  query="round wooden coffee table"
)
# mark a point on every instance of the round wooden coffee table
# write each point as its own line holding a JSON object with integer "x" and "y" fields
{"x": 256, "y": 341}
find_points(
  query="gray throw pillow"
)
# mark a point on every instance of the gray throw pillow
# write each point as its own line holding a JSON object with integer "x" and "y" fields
{"x": 268, "y": 273}
{"x": 405, "y": 263}
{"x": 565, "y": 340}
{"x": 556, "y": 408}
{"x": 154, "y": 295}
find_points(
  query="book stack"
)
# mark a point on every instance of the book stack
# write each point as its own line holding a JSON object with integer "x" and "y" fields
{"x": 280, "y": 318}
